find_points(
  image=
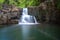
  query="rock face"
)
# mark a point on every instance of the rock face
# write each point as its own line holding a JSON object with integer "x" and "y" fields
{"x": 9, "y": 14}
{"x": 46, "y": 12}
{"x": 49, "y": 13}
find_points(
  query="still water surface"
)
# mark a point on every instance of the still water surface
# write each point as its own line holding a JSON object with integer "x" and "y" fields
{"x": 30, "y": 32}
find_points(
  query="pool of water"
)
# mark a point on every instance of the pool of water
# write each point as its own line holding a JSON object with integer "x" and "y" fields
{"x": 30, "y": 32}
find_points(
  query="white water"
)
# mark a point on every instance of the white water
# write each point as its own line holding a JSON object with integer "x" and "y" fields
{"x": 27, "y": 19}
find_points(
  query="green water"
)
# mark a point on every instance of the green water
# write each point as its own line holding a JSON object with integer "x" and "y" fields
{"x": 30, "y": 32}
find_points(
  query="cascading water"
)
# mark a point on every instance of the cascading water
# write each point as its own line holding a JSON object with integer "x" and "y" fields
{"x": 27, "y": 19}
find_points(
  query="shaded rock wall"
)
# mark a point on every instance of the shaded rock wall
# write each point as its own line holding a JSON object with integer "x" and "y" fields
{"x": 9, "y": 14}
{"x": 46, "y": 12}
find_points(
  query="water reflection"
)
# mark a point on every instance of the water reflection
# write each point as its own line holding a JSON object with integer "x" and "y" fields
{"x": 25, "y": 31}
{"x": 28, "y": 31}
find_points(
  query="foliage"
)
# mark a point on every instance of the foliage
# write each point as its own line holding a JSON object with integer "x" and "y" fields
{"x": 21, "y": 3}
{"x": 58, "y": 4}
{"x": 25, "y": 3}
{"x": 1, "y": 1}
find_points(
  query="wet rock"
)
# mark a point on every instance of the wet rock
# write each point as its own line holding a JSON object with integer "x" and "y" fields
{"x": 14, "y": 21}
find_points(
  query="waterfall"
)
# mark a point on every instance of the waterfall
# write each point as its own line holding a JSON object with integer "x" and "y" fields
{"x": 27, "y": 19}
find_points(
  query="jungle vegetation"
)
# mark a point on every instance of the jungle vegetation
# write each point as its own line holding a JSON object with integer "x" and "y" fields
{"x": 26, "y": 3}
{"x": 21, "y": 3}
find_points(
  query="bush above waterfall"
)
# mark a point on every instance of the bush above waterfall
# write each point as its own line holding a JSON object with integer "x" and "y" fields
{"x": 21, "y": 3}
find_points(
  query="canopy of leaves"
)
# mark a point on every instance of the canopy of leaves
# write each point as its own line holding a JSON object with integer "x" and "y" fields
{"x": 26, "y": 3}
{"x": 21, "y": 3}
